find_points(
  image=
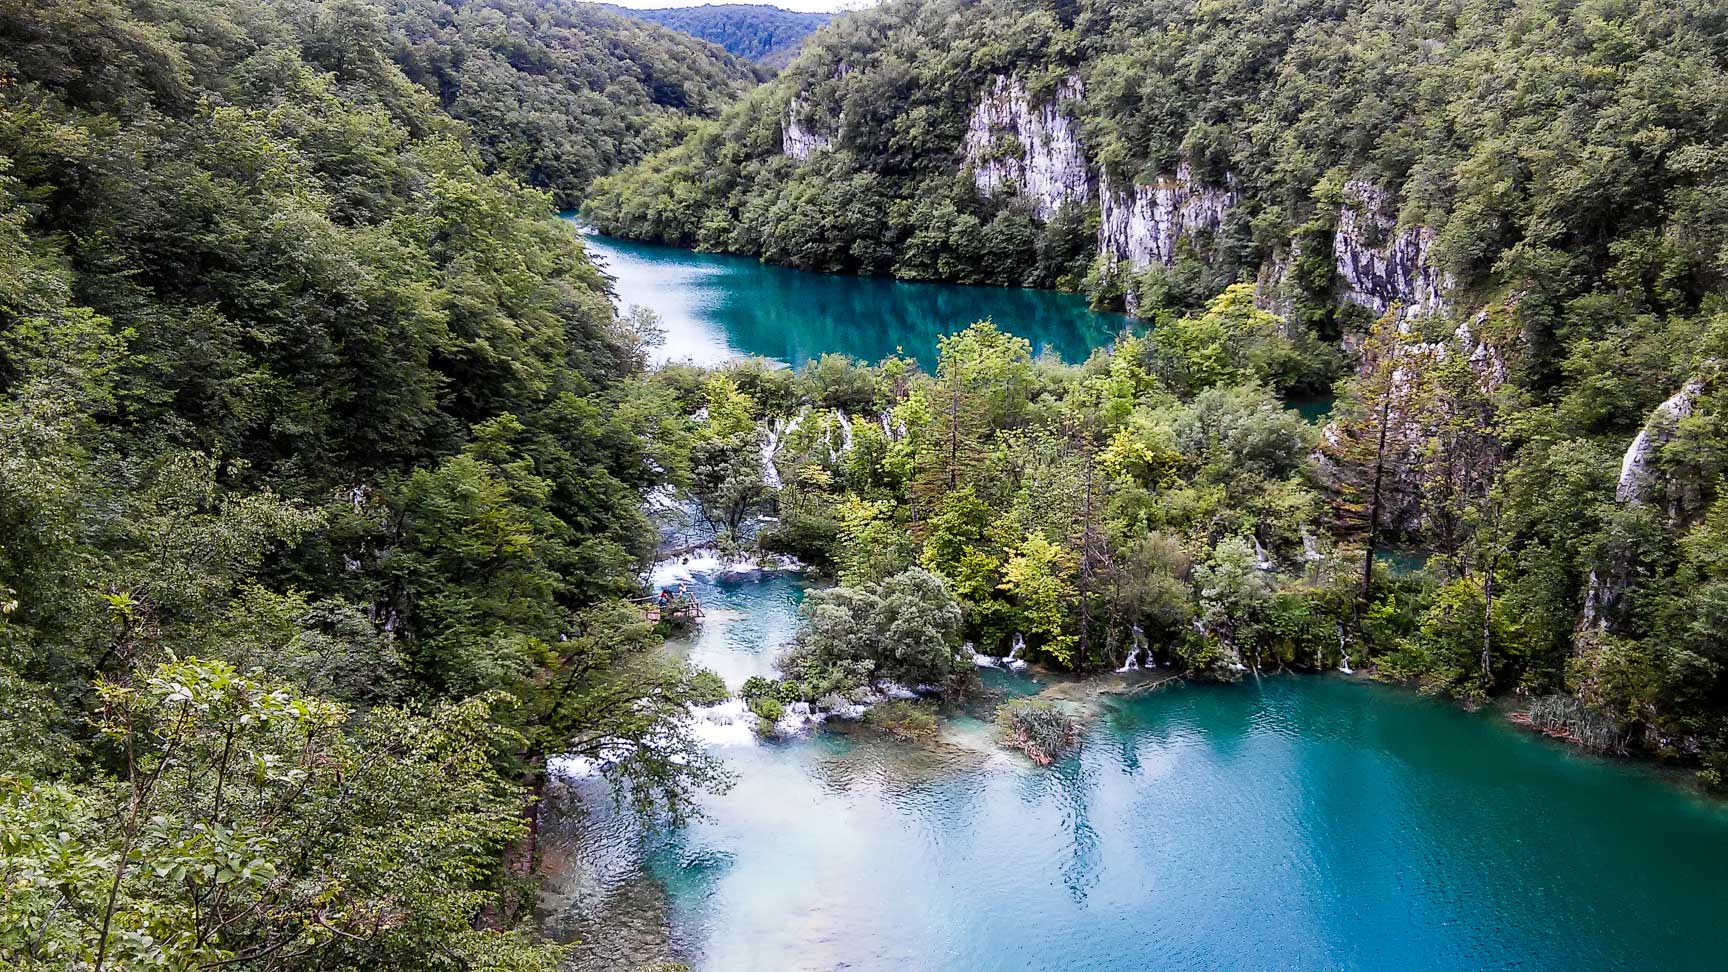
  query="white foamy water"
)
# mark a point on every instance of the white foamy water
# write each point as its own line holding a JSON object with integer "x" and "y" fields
{"x": 730, "y": 723}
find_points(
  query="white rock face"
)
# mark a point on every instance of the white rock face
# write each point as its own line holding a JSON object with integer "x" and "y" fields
{"x": 1636, "y": 472}
{"x": 1042, "y": 159}
{"x": 798, "y": 141}
{"x": 1142, "y": 224}
{"x": 1381, "y": 265}
{"x": 1638, "y": 475}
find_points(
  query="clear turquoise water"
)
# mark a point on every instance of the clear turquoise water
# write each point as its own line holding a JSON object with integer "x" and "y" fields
{"x": 714, "y": 307}
{"x": 1300, "y": 823}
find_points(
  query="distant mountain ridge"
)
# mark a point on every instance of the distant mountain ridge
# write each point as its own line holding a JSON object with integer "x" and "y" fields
{"x": 771, "y": 36}
{"x": 558, "y": 92}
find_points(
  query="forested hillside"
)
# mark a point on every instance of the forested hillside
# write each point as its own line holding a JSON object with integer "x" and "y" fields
{"x": 558, "y": 92}
{"x": 1501, "y": 228}
{"x": 1011, "y": 141}
{"x": 768, "y": 35}
{"x": 321, "y": 453}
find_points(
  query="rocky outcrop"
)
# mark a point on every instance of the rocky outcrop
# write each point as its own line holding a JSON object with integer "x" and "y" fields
{"x": 1641, "y": 483}
{"x": 1031, "y": 150}
{"x": 797, "y": 140}
{"x": 1416, "y": 414}
{"x": 1637, "y": 467}
{"x": 1142, "y": 224}
{"x": 1381, "y": 265}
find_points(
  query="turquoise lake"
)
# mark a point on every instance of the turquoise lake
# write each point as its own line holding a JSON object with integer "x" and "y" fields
{"x": 715, "y": 307}
{"x": 1304, "y": 823}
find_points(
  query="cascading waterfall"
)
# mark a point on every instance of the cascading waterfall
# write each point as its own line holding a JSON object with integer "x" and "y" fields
{"x": 1132, "y": 663}
{"x": 772, "y": 439}
{"x": 845, "y": 427}
{"x": 845, "y": 431}
{"x": 1343, "y": 666}
{"x": 1014, "y": 662}
{"x": 770, "y": 445}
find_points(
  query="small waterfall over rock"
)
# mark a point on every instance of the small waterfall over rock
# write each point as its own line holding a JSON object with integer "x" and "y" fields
{"x": 1343, "y": 666}
{"x": 1135, "y": 653}
{"x": 773, "y": 437}
{"x": 1014, "y": 662}
{"x": 1262, "y": 559}
{"x": 844, "y": 424}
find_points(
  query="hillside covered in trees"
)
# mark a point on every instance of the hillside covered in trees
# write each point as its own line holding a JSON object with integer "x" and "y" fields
{"x": 324, "y": 451}
{"x": 1159, "y": 149}
{"x": 1498, "y": 231}
{"x": 767, "y": 35}
{"x": 557, "y": 92}
{"x": 321, "y": 459}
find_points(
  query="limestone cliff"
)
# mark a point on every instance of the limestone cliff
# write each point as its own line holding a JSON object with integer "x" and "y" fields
{"x": 1032, "y": 150}
{"x": 796, "y": 138}
{"x": 1142, "y": 224}
{"x": 1417, "y": 411}
{"x": 1379, "y": 264}
{"x": 1641, "y": 482}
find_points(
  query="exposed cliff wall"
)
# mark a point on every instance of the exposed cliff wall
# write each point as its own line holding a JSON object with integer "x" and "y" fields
{"x": 1142, "y": 224}
{"x": 796, "y": 138}
{"x": 1641, "y": 482}
{"x": 1015, "y": 146}
{"x": 1418, "y": 409}
{"x": 1379, "y": 264}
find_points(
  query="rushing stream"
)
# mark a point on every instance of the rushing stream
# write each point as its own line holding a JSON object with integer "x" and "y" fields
{"x": 1306, "y": 822}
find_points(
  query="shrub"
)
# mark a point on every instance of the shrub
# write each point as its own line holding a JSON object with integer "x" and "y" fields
{"x": 904, "y": 719}
{"x": 707, "y": 688}
{"x": 1038, "y": 728}
{"x": 767, "y": 708}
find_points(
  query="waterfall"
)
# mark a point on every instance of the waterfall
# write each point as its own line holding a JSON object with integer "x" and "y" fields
{"x": 1132, "y": 663}
{"x": 845, "y": 431}
{"x": 1261, "y": 559}
{"x": 772, "y": 439}
{"x": 1343, "y": 666}
{"x": 1013, "y": 661}
{"x": 770, "y": 445}
{"x": 845, "y": 424}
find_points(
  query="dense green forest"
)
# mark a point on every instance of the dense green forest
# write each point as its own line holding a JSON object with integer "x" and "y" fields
{"x": 768, "y": 35}
{"x": 558, "y": 92}
{"x": 1497, "y": 230}
{"x": 324, "y": 450}
{"x": 1535, "y": 140}
{"x": 321, "y": 452}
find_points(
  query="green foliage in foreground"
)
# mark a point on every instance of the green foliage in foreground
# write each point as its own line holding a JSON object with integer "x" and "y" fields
{"x": 321, "y": 463}
{"x": 255, "y": 827}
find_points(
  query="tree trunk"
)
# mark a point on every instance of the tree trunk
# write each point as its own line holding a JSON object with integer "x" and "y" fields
{"x": 1373, "y": 540}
